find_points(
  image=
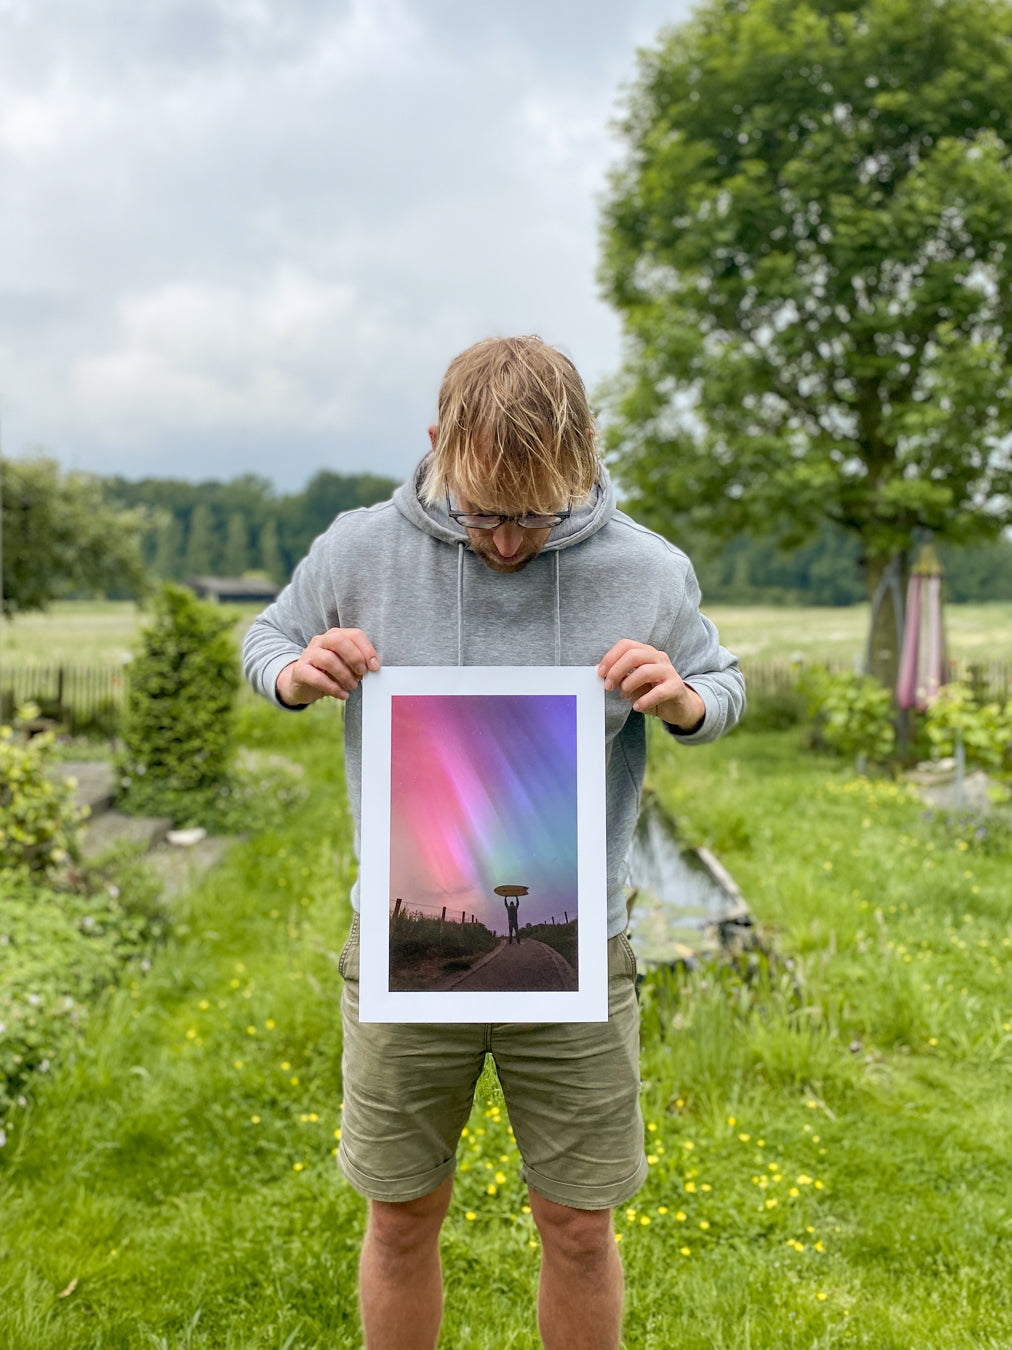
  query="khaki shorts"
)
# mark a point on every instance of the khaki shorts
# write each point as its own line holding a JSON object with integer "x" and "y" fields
{"x": 571, "y": 1090}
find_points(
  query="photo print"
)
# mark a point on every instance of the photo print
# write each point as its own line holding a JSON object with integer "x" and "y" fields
{"x": 482, "y": 892}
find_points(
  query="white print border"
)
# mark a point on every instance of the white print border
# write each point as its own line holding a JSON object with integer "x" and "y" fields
{"x": 588, "y": 1003}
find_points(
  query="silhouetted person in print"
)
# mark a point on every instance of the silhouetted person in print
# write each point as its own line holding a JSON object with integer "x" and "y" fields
{"x": 512, "y": 906}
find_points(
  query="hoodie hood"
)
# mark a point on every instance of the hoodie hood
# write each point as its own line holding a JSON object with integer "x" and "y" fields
{"x": 584, "y": 521}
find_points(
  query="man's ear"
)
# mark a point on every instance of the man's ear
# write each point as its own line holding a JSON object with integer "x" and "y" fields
{"x": 433, "y": 433}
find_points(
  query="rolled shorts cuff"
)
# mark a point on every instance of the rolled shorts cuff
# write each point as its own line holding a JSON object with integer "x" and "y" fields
{"x": 580, "y": 1196}
{"x": 397, "y": 1189}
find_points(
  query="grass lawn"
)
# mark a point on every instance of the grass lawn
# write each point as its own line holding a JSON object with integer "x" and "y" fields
{"x": 828, "y": 1141}
{"x": 819, "y": 633}
{"x": 85, "y": 632}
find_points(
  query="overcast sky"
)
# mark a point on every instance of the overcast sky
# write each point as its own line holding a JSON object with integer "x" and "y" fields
{"x": 248, "y": 235}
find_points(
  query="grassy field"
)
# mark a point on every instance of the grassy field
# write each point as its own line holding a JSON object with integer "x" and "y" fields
{"x": 827, "y": 1138}
{"x": 92, "y": 632}
{"x": 84, "y": 632}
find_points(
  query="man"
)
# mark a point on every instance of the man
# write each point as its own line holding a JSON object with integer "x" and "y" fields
{"x": 512, "y": 910}
{"x": 505, "y": 548}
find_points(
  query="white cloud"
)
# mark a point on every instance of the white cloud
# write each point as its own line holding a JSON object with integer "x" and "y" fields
{"x": 214, "y": 357}
{"x": 228, "y": 226}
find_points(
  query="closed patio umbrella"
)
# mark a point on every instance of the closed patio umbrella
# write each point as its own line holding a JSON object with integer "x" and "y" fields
{"x": 922, "y": 658}
{"x": 923, "y": 666}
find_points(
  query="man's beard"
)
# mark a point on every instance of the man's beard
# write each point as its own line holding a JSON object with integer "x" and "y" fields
{"x": 490, "y": 556}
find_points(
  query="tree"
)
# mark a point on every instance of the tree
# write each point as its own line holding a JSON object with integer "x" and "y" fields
{"x": 179, "y": 731}
{"x": 236, "y": 558}
{"x": 326, "y": 495}
{"x": 270, "y": 553}
{"x": 60, "y": 535}
{"x": 167, "y": 562}
{"x": 810, "y": 244}
{"x": 200, "y": 542}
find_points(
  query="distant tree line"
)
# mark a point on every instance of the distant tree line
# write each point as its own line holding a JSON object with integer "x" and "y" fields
{"x": 240, "y": 526}
{"x": 828, "y": 570}
{"x": 73, "y": 534}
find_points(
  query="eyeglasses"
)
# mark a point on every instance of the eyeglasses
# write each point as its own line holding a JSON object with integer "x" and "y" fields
{"x": 486, "y": 520}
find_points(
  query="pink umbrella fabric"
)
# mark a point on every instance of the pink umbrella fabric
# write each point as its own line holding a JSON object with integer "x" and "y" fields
{"x": 922, "y": 660}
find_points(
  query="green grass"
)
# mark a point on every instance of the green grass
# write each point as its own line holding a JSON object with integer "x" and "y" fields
{"x": 88, "y": 632}
{"x": 179, "y": 1167}
{"x": 818, "y": 633}
{"x": 84, "y": 632}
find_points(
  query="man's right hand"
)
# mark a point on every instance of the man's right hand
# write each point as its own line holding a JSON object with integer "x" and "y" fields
{"x": 330, "y": 667}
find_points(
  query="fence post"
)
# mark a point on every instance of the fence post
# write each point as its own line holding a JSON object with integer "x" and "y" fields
{"x": 976, "y": 674}
{"x": 397, "y": 908}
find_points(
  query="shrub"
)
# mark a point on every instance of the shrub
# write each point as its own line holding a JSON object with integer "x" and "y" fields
{"x": 853, "y": 713}
{"x": 774, "y": 709}
{"x": 179, "y": 731}
{"x": 58, "y": 948}
{"x": 561, "y": 936}
{"x": 985, "y": 729}
{"x": 38, "y": 817}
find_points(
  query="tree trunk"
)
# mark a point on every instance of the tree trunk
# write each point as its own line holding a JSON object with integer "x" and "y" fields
{"x": 887, "y": 576}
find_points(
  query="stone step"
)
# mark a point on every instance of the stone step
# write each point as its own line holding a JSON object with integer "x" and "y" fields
{"x": 104, "y": 831}
{"x": 95, "y": 787}
{"x": 179, "y": 869}
{"x": 95, "y": 782}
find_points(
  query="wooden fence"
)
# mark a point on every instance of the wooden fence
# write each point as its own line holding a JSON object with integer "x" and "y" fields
{"x": 87, "y": 700}
{"x": 988, "y": 679}
{"x": 90, "y": 699}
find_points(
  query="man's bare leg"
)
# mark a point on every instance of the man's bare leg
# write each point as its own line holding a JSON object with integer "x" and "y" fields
{"x": 580, "y": 1294}
{"x": 400, "y": 1278}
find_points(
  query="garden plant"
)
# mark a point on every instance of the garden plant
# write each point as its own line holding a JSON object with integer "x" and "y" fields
{"x": 178, "y": 735}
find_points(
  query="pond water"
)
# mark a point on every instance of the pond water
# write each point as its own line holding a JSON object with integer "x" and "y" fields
{"x": 675, "y": 892}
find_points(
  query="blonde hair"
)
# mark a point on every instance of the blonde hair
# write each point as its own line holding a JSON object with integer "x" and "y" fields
{"x": 515, "y": 429}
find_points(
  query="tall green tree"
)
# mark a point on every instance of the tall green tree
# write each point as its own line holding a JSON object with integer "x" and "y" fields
{"x": 809, "y": 240}
{"x": 61, "y": 536}
{"x": 271, "y": 561}
{"x": 179, "y": 730}
{"x": 236, "y": 556}
{"x": 306, "y": 514}
{"x": 167, "y": 559}
{"x": 201, "y": 544}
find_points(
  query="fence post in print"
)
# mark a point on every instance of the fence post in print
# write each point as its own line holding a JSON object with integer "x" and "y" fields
{"x": 397, "y": 908}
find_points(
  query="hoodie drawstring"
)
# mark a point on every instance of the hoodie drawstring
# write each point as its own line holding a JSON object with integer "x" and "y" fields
{"x": 558, "y": 613}
{"x": 460, "y": 603}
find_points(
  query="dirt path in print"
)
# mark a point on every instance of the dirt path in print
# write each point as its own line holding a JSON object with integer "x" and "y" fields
{"x": 519, "y": 966}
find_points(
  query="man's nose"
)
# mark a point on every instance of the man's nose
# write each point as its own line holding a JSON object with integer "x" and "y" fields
{"x": 508, "y": 538}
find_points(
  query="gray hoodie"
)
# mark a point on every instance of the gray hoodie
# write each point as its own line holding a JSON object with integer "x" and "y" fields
{"x": 405, "y": 575}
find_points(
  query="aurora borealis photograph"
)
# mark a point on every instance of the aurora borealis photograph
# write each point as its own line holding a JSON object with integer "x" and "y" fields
{"x": 483, "y": 793}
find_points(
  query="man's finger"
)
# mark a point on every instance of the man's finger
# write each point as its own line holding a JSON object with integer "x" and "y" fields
{"x": 332, "y": 664}
{"x": 353, "y": 646}
{"x": 637, "y": 660}
{"x": 613, "y": 653}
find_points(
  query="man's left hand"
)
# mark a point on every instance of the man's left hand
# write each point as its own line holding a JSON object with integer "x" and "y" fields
{"x": 646, "y": 677}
